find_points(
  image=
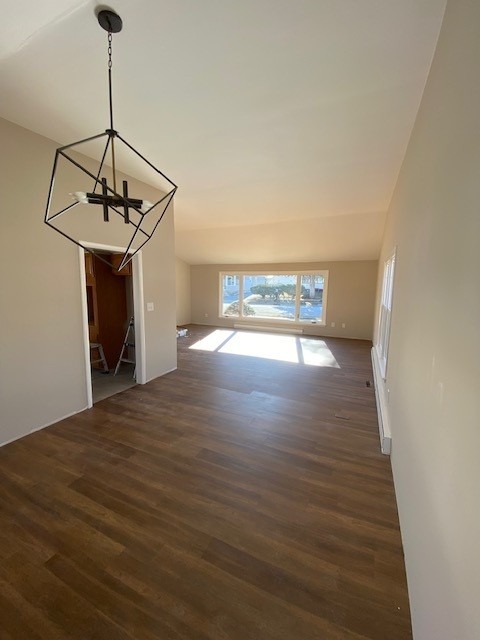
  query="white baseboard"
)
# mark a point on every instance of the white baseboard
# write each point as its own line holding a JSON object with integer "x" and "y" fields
{"x": 267, "y": 329}
{"x": 44, "y": 426}
{"x": 382, "y": 406}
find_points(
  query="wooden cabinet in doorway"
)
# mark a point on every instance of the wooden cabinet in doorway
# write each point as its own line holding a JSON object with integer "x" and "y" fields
{"x": 116, "y": 259}
{"x": 107, "y": 306}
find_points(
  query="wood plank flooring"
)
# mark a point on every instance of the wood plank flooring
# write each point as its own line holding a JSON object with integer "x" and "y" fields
{"x": 224, "y": 501}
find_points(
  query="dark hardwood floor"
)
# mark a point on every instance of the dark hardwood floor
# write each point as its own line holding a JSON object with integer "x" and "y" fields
{"x": 222, "y": 501}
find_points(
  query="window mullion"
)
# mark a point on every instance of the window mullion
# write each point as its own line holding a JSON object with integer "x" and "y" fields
{"x": 298, "y": 292}
{"x": 240, "y": 296}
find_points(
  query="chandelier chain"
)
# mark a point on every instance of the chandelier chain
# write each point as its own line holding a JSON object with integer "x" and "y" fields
{"x": 109, "y": 49}
{"x": 110, "y": 99}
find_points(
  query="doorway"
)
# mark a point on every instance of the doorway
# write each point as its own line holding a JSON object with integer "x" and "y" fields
{"x": 110, "y": 299}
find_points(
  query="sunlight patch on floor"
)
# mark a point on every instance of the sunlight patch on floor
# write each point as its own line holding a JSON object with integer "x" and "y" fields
{"x": 262, "y": 345}
{"x": 213, "y": 341}
{"x": 317, "y": 354}
{"x": 285, "y": 348}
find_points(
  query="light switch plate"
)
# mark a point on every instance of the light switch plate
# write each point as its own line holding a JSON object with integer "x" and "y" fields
{"x": 150, "y": 306}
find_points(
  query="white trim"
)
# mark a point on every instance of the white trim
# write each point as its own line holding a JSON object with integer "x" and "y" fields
{"x": 138, "y": 310}
{"x": 267, "y": 272}
{"x": 382, "y": 362}
{"x": 44, "y": 426}
{"x": 253, "y": 327}
{"x": 382, "y": 405}
{"x": 286, "y": 321}
{"x": 139, "y": 313}
{"x": 86, "y": 336}
{"x": 326, "y": 278}
{"x": 382, "y": 337}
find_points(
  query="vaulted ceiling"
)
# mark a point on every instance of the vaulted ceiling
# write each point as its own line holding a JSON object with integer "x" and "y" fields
{"x": 284, "y": 122}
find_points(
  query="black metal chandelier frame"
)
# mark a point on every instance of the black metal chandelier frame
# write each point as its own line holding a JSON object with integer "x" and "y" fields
{"x": 109, "y": 198}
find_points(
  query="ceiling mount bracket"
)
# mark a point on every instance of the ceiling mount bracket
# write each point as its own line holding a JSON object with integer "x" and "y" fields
{"x": 110, "y": 21}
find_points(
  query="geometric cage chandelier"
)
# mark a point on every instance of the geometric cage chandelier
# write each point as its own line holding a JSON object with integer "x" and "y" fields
{"x": 101, "y": 200}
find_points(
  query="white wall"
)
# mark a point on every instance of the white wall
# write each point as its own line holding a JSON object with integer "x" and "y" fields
{"x": 433, "y": 373}
{"x": 42, "y": 370}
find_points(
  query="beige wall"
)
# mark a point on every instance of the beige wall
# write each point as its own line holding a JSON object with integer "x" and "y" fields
{"x": 433, "y": 373}
{"x": 351, "y": 295}
{"x": 42, "y": 369}
{"x": 349, "y": 237}
{"x": 184, "y": 305}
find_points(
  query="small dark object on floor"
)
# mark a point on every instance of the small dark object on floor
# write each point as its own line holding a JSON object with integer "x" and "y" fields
{"x": 368, "y": 383}
{"x": 342, "y": 415}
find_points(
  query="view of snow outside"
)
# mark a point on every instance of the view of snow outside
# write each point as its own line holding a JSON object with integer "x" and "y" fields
{"x": 273, "y": 296}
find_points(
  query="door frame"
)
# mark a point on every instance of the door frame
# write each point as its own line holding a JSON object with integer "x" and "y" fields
{"x": 138, "y": 311}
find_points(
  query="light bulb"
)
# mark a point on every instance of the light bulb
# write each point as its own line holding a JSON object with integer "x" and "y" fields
{"x": 146, "y": 205}
{"x": 80, "y": 196}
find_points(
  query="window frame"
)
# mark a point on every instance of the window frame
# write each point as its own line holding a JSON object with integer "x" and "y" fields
{"x": 295, "y": 272}
{"x": 382, "y": 338}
